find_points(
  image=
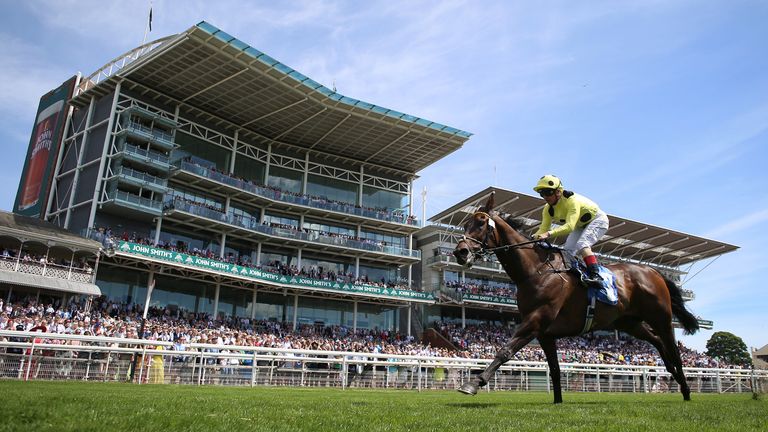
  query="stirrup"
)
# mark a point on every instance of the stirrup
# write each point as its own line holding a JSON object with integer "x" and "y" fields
{"x": 594, "y": 279}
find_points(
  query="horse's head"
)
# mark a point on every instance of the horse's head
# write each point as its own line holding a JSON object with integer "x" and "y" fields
{"x": 479, "y": 235}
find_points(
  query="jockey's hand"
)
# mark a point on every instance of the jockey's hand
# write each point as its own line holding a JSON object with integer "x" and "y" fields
{"x": 542, "y": 236}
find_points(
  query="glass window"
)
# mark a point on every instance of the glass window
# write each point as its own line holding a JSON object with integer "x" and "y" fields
{"x": 125, "y": 286}
{"x": 270, "y": 258}
{"x": 285, "y": 179}
{"x": 373, "y": 316}
{"x": 383, "y": 199}
{"x": 196, "y": 198}
{"x": 281, "y": 221}
{"x": 187, "y": 295}
{"x": 187, "y": 242}
{"x": 275, "y": 307}
{"x": 323, "y": 266}
{"x": 205, "y": 150}
{"x": 378, "y": 274}
{"x": 332, "y": 189}
{"x": 235, "y": 302}
{"x": 327, "y": 312}
{"x": 384, "y": 239}
{"x": 329, "y": 229}
{"x": 249, "y": 169}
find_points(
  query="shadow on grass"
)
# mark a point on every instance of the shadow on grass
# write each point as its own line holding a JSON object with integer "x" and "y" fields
{"x": 474, "y": 405}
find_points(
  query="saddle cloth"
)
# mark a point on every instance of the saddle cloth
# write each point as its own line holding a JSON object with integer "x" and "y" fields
{"x": 608, "y": 292}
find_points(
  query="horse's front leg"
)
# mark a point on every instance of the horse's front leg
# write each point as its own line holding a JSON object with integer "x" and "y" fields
{"x": 549, "y": 346}
{"x": 524, "y": 334}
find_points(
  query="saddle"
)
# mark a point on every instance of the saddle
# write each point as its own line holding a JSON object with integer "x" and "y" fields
{"x": 606, "y": 292}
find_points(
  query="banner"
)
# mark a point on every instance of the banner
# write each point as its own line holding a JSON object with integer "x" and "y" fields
{"x": 489, "y": 299}
{"x": 43, "y": 150}
{"x": 264, "y": 276}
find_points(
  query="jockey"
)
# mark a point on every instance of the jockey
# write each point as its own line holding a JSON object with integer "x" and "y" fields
{"x": 577, "y": 216}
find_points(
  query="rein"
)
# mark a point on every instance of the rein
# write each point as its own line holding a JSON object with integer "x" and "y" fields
{"x": 487, "y": 251}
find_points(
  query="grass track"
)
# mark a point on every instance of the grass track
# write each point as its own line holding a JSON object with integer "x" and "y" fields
{"x": 77, "y": 406}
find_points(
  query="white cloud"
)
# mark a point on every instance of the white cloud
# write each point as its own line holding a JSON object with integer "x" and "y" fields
{"x": 744, "y": 222}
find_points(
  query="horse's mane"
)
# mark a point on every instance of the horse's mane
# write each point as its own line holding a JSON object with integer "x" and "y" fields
{"x": 518, "y": 224}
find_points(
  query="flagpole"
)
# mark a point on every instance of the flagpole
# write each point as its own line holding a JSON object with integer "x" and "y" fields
{"x": 148, "y": 27}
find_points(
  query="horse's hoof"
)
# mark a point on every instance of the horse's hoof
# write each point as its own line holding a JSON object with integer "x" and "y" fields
{"x": 468, "y": 389}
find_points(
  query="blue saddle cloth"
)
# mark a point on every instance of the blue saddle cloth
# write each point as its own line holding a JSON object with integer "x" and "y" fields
{"x": 608, "y": 292}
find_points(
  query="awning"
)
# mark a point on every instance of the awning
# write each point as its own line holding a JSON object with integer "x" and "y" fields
{"x": 55, "y": 284}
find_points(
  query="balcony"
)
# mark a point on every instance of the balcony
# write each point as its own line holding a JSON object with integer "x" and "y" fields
{"x": 156, "y": 137}
{"x": 268, "y": 196}
{"x": 151, "y": 115}
{"x": 135, "y": 202}
{"x": 310, "y": 239}
{"x": 443, "y": 261}
{"x": 141, "y": 179}
{"x": 146, "y": 158}
{"x": 47, "y": 270}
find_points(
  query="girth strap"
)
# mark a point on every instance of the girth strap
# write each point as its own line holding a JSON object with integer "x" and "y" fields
{"x": 590, "y": 315}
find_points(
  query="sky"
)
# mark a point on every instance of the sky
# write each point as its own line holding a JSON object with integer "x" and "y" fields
{"x": 656, "y": 110}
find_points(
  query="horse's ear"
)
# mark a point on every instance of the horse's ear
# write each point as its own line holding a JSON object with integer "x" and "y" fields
{"x": 490, "y": 203}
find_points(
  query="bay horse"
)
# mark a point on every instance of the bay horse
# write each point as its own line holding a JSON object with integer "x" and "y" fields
{"x": 553, "y": 303}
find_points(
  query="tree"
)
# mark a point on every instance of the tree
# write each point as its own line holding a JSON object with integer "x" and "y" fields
{"x": 729, "y": 348}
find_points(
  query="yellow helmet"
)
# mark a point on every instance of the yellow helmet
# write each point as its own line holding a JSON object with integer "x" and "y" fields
{"x": 548, "y": 182}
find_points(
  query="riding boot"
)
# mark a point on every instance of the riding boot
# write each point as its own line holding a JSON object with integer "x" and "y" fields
{"x": 592, "y": 275}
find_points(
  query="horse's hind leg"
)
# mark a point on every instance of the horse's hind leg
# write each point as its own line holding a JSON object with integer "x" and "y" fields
{"x": 550, "y": 350}
{"x": 667, "y": 350}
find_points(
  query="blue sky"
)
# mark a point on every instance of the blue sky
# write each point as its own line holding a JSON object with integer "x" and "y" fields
{"x": 657, "y": 110}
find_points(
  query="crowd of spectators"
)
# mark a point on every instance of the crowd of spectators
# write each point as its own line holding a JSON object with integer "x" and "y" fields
{"x": 483, "y": 341}
{"x": 488, "y": 289}
{"x": 26, "y": 257}
{"x": 121, "y": 320}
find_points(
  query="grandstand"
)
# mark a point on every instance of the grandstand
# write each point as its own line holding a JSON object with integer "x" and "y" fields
{"x": 237, "y": 186}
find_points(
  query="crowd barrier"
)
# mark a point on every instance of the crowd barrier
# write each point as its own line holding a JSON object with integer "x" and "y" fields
{"x": 45, "y": 356}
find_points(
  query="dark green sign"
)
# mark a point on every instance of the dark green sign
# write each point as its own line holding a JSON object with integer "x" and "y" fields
{"x": 264, "y": 276}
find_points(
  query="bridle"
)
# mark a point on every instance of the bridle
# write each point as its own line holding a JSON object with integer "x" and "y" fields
{"x": 490, "y": 227}
{"x": 485, "y": 250}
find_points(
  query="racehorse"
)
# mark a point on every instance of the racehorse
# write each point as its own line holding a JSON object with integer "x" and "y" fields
{"x": 553, "y": 303}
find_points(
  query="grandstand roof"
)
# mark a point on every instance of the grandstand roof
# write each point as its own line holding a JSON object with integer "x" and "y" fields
{"x": 626, "y": 239}
{"x": 33, "y": 229}
{"x": 224, "y": 80}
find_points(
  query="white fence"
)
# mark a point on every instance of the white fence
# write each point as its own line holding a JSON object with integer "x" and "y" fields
{"x": 45, "y": 356}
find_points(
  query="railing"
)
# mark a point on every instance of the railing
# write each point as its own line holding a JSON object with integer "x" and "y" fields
{"x": 148, "y": 155}
{"x": 141, "y": 177}
{"x": 47, "y": 269}
{"x": 155, "y": 116}
{"x": 311, "y": 236}
{"x": 447, "y": 259}
{"x": 46, "y": 356}
{"x": 151, "y": 133}
{"x": 276, "y": 195}
{"x": 116, "y": 65}
{"x": 134, "y": 199}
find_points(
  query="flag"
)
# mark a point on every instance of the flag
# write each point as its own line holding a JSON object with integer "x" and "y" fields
{"x": 150, "y": 18}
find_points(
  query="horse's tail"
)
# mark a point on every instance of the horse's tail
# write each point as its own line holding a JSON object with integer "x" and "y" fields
{"x": 689, "y": 322}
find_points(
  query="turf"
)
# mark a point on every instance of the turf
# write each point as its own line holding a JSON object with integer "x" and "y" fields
{"x": 77, "y": 406}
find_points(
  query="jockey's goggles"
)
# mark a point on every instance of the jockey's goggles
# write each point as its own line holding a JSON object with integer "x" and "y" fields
{"x": 547, "y": 192}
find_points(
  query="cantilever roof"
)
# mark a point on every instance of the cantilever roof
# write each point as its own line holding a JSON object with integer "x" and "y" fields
{"x": 224, "y": 80}
{"x": 626, "y": 239}
{"x": 33, "y": 229}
